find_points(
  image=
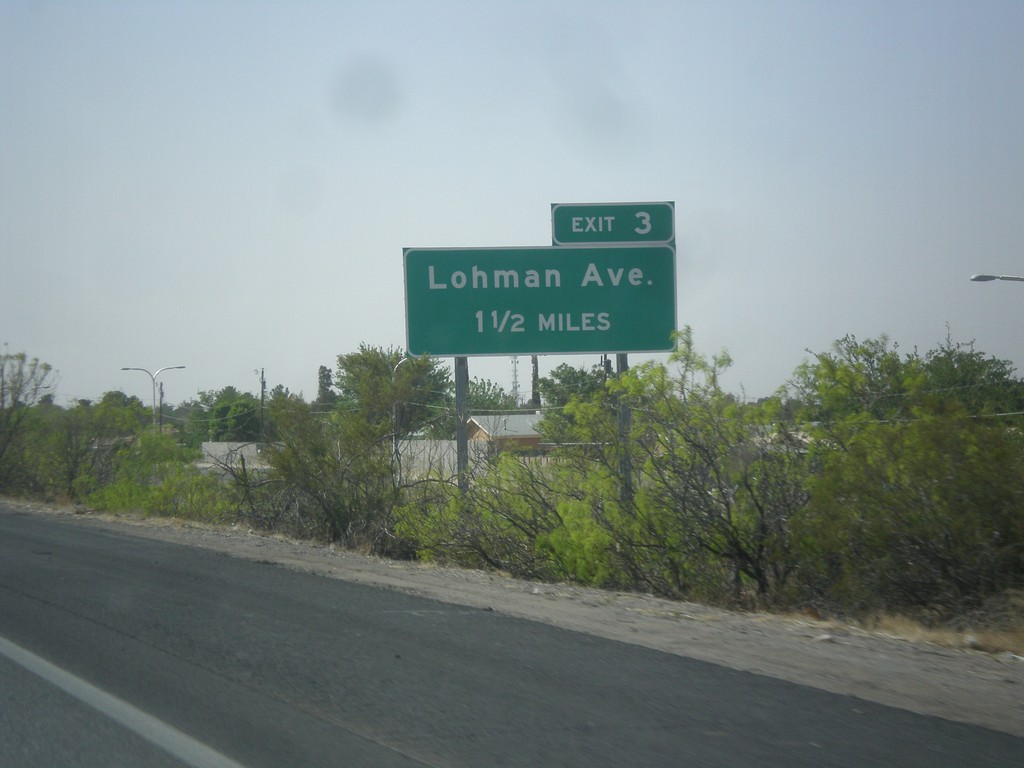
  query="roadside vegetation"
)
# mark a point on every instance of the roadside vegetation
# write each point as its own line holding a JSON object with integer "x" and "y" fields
{"x": 876, "y": 485}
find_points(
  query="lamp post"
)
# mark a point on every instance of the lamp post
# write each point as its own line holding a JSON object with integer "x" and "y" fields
{"x": 394, "y": 416}
{"x": 153, "y": 376}
{"x": 987, "y": 278}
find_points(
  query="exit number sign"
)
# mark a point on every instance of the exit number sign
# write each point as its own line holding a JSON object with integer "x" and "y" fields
{"x": 612, "y": 223}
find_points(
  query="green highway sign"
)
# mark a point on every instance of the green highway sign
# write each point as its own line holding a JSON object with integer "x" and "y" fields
{"x": 612, "y": 223}
{"x": 543, "y": 300}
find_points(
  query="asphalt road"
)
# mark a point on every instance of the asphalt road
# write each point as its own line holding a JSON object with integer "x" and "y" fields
{"x": 119, "y": 650}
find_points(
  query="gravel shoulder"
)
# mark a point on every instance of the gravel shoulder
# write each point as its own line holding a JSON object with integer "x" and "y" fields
{"x": 957, "y": 684}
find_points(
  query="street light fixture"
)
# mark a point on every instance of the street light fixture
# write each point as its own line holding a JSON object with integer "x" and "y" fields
{"x": 987, "y": 278}
{"x": 153, "y": 376}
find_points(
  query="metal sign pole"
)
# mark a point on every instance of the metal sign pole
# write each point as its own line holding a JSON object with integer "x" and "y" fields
{"x": 462, "y": 420}
{"x": 625, "y": 427}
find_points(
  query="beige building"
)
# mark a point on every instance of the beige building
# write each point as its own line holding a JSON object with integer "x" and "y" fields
{"x": 507, "y": 431}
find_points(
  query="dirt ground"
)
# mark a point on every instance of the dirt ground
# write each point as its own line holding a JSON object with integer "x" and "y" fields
{"x": 959, "y": 684}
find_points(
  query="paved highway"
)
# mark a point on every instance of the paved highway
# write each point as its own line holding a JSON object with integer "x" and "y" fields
{"x": 119, "y": 650}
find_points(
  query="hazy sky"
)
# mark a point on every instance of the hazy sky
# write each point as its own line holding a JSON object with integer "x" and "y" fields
{"x": 229, "y": 185}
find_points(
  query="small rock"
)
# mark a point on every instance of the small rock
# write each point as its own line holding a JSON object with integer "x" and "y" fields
{"x": 824, "y": 639}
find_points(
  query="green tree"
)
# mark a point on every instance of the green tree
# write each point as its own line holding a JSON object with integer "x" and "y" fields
{"x": 486, "y": 396}
{"x": 154, "y": 474}
{"x": 564, "y": 385}
{"x": 117, "y": 400}
{"x": 338, "y": 466}
{"x": 395, "y": 394}
{"x": 194, "y": 420}
{"x": 325, "y": 394}
{"x": 237, "y": 420}
{"x": 505, "y": 520}
{"x": 716, "y": 485}
{"x": 984, "y": 385}
{"x": 227, "y": 416}
{"x": 82, "y": 442}
{"x": 336, "y": 470}
{"x": 914, "y": 499}
{"x": 869, "y": 379}
{"x": 922, "y": 514}
{"x": 565, "y": 382}
{"x": 719, "y": 482}
{"x": 24, "y": 382}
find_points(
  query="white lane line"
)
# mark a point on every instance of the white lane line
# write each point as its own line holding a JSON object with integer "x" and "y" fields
{"x": 168, "y": 738}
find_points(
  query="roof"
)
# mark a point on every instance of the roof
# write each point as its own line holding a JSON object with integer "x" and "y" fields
{"x": 508, "y": 425}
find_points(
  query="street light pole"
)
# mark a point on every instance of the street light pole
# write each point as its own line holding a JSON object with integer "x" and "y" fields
{"x": 394, "y": 418}
{"x": 987, "y": 278}
{"x": 152, "y": 377}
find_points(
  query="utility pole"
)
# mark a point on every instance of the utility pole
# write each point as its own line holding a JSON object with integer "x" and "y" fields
{"x": 263, "y": 399}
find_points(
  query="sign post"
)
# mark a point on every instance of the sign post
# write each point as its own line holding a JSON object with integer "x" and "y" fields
{"x": 606, "y": 284}
{"x": 575, "y": 224}
{"x": 462, "y": 422}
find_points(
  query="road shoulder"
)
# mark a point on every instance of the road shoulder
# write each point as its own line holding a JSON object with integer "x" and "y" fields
{"x": 958, "y": 684}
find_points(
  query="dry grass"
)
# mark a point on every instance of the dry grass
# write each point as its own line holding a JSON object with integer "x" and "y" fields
{"x": 982, "y": 639}
{"x": 996, "y": 627}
